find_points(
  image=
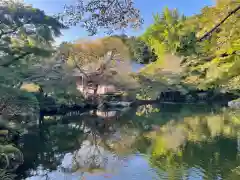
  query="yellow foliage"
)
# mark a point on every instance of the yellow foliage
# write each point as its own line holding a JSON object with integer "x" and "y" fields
{"x": 30, "y": 87}
{"x": 85, "y": 52}
{"x": 159, "y": 147}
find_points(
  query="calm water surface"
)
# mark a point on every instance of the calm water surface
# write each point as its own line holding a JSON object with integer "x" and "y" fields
{"x": 179, "y": 142}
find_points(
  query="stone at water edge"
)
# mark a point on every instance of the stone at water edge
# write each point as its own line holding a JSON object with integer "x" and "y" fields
{"x": 235, "y": 104}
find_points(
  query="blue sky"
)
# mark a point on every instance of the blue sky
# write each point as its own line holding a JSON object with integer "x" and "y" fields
{"x": 147, "y": 8}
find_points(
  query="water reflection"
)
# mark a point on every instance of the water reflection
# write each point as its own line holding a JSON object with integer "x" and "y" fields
{"x": 205, "y": 144}
{"x": 179, "y": 142}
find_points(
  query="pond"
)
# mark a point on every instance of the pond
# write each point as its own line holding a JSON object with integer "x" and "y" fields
{"x": 136, "y": 66}
{"x": 149, "y": 142}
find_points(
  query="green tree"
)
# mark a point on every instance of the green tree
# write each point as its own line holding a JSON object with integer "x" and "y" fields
{"x": 208, "y": 44}
{"x": 140, "y": 51}
{"x": 164, "y": 35}
{"x": 26, "y": 33}
{"x": 26, "y": 37}
{"x": 217, "y": 59}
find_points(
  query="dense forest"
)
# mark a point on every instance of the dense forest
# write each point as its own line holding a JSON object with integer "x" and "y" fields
{"x": 180, "y": 53}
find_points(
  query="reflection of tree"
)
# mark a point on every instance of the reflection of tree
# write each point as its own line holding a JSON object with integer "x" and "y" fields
{"x": 217, "y": 158}
{"x": 147, "y": 118}
{"x": 89, "y": 157}
{"x": 11, "y": 157}
{"x": 207, "y": 143}
{"x": 106, "y": 137}
{"x": 5, "y": 175}
{"x": 146, "y": 110}
{"x": 93, "y": 138}
{"x": 46, "y": 146}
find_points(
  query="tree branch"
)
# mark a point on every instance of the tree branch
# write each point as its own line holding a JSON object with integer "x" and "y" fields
{"x": 78, "y": 67}
{"x": 219, "y": 24}
{"x": 220, "y": 56}
{"x": 7, "y": 32}
{"x": 15, "y": 59}
{"x": 103, "y": 66}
